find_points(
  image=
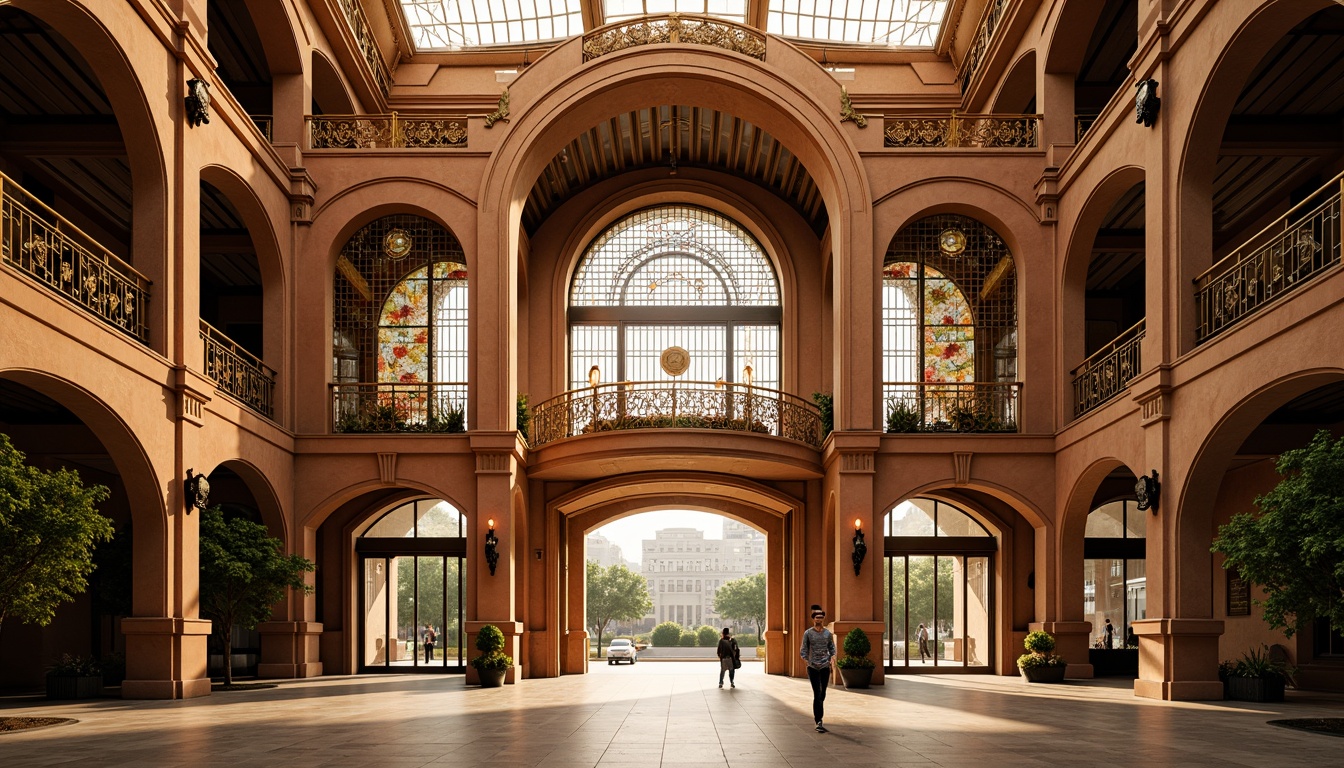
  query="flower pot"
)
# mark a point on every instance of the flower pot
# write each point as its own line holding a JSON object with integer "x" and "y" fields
{"x": 492, "y": 678}
{"x": 1053, "y": 674}
{"x": 858, "y": 677}
{"x": 86, "y": 687}
{"x": 1255, "y": 688}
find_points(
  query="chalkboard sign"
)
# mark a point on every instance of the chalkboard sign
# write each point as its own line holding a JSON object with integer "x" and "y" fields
{"x": 1238, "y": 595}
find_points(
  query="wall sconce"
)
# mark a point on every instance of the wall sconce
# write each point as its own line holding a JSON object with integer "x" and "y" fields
{"x": 491, "y": 546}
{"x": 196, "y": 489}
{"x": 860, "y": 547}
{"x": 1148, "y": 491}
{"x": 198, "y": 102}
{"x": 594, "y": 376}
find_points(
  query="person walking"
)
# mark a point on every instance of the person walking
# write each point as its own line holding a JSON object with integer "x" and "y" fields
{"x": 430, "y": 637}
{"x": 818, "y": 651}
{"x": 1108, "y": 635}
{"x": 922, "y": 635}
{"x": 730, "y": 658}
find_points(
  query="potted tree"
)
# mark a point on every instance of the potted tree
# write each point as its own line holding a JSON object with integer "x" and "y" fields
{"x": 856, "y": 669}
{"x": 1257, "y": 677}
{"x": 74, "y": 677}
{"x": 1040, "y": 664}
{"x": 493, "y": 664}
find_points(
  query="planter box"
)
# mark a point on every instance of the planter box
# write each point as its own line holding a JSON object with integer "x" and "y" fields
{"x": 74, "y": 687}
{"x": 857, "y": 678}
{"x": 1255, "y": 688}
{"x": 1043, "y": 674}
{"x": 492, "y": 678}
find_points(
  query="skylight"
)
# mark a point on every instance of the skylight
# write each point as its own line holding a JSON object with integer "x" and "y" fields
{"x": 618, "y": 10}
{"x": 906, "y": 23}
{"x": 454, "y": 24}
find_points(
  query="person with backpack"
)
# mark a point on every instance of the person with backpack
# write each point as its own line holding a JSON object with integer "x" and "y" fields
{"x": 430, "y": 637}
{"x": 730, "y": 658}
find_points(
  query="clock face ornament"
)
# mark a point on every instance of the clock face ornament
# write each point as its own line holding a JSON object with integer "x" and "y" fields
{"x": 952, "y": 242}
{"x": 675, "y": 361}
{"x": 397, "y": 244}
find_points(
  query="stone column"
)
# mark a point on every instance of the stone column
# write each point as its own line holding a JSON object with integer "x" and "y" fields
{"x": 290, "y": 649}
{"x": 1178, "y": 659}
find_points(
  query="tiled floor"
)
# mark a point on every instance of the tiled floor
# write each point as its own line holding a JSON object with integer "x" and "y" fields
{"x": 672, "y": 714}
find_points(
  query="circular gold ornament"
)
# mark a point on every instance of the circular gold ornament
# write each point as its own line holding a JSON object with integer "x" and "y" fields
{"x": 397, "y": 244}
{"x": 952, "y": 242}
{"x": 675, "y": 361}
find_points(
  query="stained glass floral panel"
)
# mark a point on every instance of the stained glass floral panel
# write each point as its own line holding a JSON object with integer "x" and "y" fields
{"x": 403, "y": 354}
{"x": 949, "y": 353}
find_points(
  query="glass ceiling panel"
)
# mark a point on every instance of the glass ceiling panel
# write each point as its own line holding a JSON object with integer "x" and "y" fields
{"x": 906, "y": 23}
{"x": 618, "y": 10}
{"x": 453, "y": 24}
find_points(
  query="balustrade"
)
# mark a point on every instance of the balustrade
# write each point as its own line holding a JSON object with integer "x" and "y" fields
{"x": 399, "y": 407}
{"x": 674, "y": 28}
{"x": 1299, "y": 245}
{"x": 675, "y": 405}
{"x": 954, "y": 130}
{"x": 238, "y": 372}
{"x": 263, "y": 123}
{"x": 390, "y": 131}
{"x": 984, "y": 35}
{"x": 42, "y": 244}
{"x": 952, "y": 406}
{"x": 1108, "y": 371}
{"x": 359, "y": 27}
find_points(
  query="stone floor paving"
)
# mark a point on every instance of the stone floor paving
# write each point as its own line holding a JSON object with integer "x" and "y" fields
{"x": 672, "y": 714}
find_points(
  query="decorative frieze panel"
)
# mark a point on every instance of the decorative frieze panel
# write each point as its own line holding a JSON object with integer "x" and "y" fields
{"x": 390, "y": 131}
{"x": 955, "y": 130}
{"x": 675, "y": 29}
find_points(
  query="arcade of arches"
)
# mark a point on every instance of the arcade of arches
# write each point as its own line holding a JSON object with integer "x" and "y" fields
{"x": 950, "y": 295}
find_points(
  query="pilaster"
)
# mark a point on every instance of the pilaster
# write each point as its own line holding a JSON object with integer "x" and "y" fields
{"x": 1178, "y": 659}
{"x": 290, "y": 649}
{"x": 165, "y": 658}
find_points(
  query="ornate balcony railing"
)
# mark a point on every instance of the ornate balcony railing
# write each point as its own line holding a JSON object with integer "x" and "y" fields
{"x": 956, "y": 130}
{"x": 952, "y": 407}
{"x": 263, "y": 123}
{"x": 39, "y": 242}
{"x": 397, "y": 407}
{"x": 984, "y": 35}
{"x": 1301, "y": 244}
{"x": 1108, "y": 371}
{"x": 359, "y": 26}
{"x": 1081, "y": 125}
{"x": 674, "y": 28}
{"x": 238, "y": 372}
{"x": 675, "y": 405}
{"x": 390, "y": 131}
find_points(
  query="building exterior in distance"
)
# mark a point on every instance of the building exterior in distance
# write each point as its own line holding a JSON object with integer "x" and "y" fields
{"x": 684, "y": 569}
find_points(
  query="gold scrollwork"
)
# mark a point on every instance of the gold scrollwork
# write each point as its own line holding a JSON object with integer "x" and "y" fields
{"x": 674, "y": 28}
{"x": 500, "y": 115}
{"x": 847, "y": 112}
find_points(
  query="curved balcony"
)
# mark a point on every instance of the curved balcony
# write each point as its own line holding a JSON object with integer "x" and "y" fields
{"x": 629, "y": 405}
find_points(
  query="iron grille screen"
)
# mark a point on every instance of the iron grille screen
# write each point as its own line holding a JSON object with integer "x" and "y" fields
{"x": 675, "y": 276}
{"x": 949, "y": 304}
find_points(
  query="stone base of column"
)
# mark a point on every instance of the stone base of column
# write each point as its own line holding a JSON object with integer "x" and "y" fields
{"x": 1178, "y": 659}
{"x": 513, "y": 631}
{"x": 165, "y": 658}
{"x": 290, "y": 649}
{"x": 1072, "y": 641}
{"x": 574, "y": 656}
{"x": 777, "y": 652}
{"x": 874, "y": 631}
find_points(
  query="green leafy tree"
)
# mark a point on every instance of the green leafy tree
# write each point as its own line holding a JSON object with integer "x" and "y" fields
{"x": 743, "y": 600}
{"x": 921, "y": 596}
{"x": 614, "y": 594}
{"x": 49, "y": 527}
{"x": 666, "y": 635}
{"x": 244, "y": 572}
{"x": 1294, "y": 548}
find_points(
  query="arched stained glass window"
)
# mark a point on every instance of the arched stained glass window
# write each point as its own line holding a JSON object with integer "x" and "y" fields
{"x": 400, "y": 336}
{"x": 675, "y": 276}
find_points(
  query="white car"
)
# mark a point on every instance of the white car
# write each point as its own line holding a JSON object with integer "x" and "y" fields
{"x": 620, "y": 650}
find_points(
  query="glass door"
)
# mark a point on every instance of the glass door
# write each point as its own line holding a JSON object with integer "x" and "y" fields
{"x": 412, "y": 613}
{"x": 938, "y": 613}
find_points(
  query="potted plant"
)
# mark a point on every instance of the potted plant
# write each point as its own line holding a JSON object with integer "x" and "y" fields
{"x": 74, "y": 677}
{"x": 856, "y": 669}
{"x": 1040, "y": 664}
{"x": 493, "y": 664}
{"x": 1257, "y": 676}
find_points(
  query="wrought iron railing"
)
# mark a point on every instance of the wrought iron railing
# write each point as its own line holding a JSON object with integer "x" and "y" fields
{"x": 390, "y": 131}
{"x": 42, "y": 244}
{"x": 952, "y": 406}
{"x": 1082, "y": 123}
{"x": 956, "y": 130}
{"x": 675, "y": 405}
{"x": 1299, "y": 245}
{"x": 368, "y": 45}
{"x": 399, "y": 407}
{"x": 984, "y": 35}
{"x": 238, "y": 372}
{"x": 263, "y": 123}
{"x": 674, "y": 28}
{"x": 1108, "y": 371}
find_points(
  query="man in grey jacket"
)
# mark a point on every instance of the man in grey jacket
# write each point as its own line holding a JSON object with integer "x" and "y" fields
{"x": 818, "y": 651}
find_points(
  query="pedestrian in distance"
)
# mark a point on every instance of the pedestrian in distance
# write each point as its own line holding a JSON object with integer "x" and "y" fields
{"x": 1108, "y": 635}
{"x": 429, "y": 638}
{"x": 818, "y": 651}
{"x": 730, "y": 658}
{"x": 922, "y": 635}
